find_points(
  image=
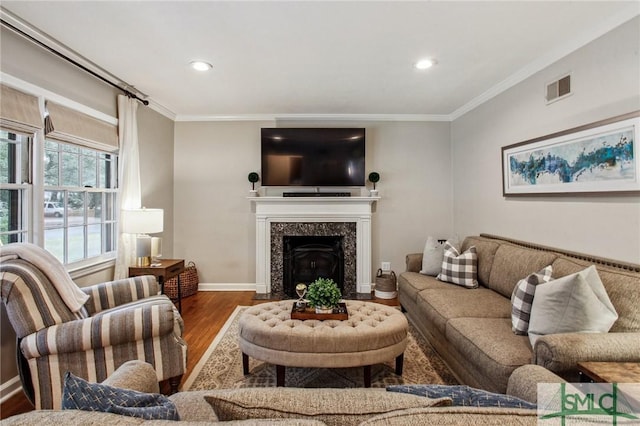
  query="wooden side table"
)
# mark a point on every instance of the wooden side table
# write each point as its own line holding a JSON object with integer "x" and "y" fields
{"x": 610, "y": 372}
{"x": 169, "y": 268}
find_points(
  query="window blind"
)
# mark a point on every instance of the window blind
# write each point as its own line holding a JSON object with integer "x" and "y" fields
{"x": 19, "y": 111}
{"x": 68, "y": 125}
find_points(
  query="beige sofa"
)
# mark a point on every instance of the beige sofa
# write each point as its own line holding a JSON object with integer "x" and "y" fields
{"x": 343, "y": 407}
{"x": 471, "y": 328}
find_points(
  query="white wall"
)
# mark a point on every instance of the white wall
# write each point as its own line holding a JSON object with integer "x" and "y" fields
{"x": 605, "y": 83}
{"x": 215, "y": 223}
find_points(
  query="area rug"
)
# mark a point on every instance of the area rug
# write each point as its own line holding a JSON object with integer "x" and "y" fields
{"x": 221, "y": 367}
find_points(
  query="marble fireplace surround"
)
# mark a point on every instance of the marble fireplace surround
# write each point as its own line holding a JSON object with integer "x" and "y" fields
{"x": 279, "y": 216}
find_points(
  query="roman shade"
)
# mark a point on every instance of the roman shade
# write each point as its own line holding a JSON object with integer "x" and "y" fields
{"x": 67, "y": 125}
{"x": 19, "y": 111}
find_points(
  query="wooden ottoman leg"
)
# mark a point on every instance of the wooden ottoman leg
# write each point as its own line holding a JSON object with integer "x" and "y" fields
{"x": 399, "y": 364}
{"x": 245, "y": 364}
{"x": 280, "y": 375}
{"x": 367, "y": 376}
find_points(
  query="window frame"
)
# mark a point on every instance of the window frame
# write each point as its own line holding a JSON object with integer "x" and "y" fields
{"x": 23, "y": 183}
{"x": 32, "y": 124}
{"x": 108, "y": 225}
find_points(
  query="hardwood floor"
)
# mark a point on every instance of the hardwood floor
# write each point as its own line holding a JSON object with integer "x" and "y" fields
{"x": 204, "y": 315}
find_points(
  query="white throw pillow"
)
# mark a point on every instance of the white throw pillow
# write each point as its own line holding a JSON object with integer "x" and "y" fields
{"x": 575, "y": 303}
{"x": 432, "y": 257}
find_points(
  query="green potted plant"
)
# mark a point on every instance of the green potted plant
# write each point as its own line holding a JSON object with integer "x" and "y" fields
{"x": 323, "y": 294}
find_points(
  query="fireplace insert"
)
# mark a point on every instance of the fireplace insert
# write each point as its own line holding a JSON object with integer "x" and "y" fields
{"x": 306, "y": 258}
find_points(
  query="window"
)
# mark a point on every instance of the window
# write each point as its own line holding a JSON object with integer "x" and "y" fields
{"x": 14, "y": 186}
{"x": 80, "y": 190}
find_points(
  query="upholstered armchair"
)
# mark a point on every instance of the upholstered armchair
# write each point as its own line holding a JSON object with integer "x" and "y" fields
{"x": 88, "y": 331}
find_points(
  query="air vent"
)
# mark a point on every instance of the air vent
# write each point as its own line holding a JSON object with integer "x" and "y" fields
{"x": 559, "y": 89}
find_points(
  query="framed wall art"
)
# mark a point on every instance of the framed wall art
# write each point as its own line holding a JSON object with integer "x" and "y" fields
{"x": 598, "y": 158}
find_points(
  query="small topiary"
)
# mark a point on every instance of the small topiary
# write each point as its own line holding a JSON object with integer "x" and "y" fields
{"x": 323, "y": 292}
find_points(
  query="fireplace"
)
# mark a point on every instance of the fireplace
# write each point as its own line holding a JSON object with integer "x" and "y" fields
{"x": 347, "y": 217}
{"x": 308, "y": 257}
{"x": 327, "y": 234}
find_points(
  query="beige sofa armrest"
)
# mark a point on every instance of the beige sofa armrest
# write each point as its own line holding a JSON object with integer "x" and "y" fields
{"x": 414, "y": 262}
{"x": 135, "y": 375}
{"x": 561, "y": 352}
{"x": 523, "y": 382}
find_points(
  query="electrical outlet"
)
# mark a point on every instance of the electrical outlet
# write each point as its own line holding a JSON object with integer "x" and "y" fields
{"x": 386, "y": 266}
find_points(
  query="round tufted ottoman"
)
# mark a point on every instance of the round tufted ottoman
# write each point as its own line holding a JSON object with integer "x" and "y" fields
{"x": 374, "y": 333}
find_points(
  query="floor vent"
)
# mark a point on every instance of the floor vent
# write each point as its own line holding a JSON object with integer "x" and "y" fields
{"x": 559, "y": 89}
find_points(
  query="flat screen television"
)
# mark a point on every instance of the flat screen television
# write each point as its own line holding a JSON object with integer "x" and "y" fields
{"x": 313, "y": 157}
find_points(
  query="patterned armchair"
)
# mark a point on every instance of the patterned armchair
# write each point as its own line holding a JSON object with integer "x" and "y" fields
{"x": 88, "y": 331}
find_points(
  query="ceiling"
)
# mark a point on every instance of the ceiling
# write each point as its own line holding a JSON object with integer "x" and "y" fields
{"x": 319, "y": 58}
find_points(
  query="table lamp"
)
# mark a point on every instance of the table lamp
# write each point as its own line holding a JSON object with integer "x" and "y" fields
{"x": 143, "y": 222}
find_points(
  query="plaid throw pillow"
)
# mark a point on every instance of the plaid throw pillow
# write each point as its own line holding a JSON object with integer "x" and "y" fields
{"x": 460, "y": 269}
{"x": 522, "y": 299}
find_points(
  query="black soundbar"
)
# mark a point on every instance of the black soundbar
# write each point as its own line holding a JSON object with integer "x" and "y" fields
{"x": 316, "y": 194}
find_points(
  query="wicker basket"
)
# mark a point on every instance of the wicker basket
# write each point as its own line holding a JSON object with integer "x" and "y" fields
{"x": 386, "y": 285}
{"x": 188, "y": 283}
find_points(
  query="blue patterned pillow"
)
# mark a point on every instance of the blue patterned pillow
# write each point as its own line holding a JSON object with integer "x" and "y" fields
{"x": 464, "y": 396}
{"x": 78, "y": 394}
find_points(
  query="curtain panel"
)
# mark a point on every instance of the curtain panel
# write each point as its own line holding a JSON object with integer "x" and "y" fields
{"x": 129, "y": 179}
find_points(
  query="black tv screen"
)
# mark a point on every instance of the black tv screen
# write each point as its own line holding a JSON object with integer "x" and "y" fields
{"x": 313, "y": 157}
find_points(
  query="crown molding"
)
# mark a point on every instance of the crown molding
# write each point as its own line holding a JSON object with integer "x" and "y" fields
{"x": 319, "y": 117}
{"x": 161, "y": 109}
{"x": 552, "y": 56}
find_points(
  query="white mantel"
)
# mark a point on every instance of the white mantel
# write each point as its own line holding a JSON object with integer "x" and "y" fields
{"x": 313, "y": 209}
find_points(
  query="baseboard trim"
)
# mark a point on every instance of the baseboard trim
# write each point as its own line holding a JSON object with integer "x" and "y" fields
{"x": 227, "y": 287}
{"x": 9, "y": 389}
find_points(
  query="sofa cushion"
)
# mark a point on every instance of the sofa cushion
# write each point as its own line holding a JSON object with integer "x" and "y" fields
{"x": 486, "y": 250}
{"x": 441, "y": 305}
{"x": 455, "y": 416}
{"x": 522, "y": 298}
{"x": 512, "y": 263}
{"x": 621, "y": 286}
{"x": 411, "y": 283}
{"x": 464, "y": 396}
{"x": 574, "y": 303}
{"x": 78, "y": 394}
{"x": 490, "y": 348}
{"x": 348, "y": 406}
{"x": 459, "y": 268}
{"x": 432, "y": 256}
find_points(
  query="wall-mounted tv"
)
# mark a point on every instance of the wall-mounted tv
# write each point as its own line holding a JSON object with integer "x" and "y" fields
{"x": 313, "y": 157}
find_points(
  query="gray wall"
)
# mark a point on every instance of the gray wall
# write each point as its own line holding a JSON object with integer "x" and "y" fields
{"x": 215, "y": 224}
{"x": 155, "y": 141}
{"x": 605, "y": 84}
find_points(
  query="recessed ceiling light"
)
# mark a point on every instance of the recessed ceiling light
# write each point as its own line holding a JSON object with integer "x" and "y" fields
{"x": 423, "y": 64}
{"x": 201, "y": 66}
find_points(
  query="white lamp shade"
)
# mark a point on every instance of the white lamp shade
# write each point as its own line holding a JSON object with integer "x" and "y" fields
{"x": 142, "y": 221}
